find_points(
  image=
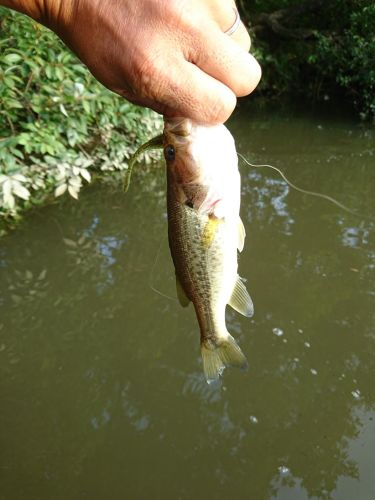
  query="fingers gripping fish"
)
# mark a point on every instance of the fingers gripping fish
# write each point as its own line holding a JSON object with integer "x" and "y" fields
{"x": 205, "y": 232}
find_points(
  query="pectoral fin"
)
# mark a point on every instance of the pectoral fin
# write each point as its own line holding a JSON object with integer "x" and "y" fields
{"x": 241, "y": 235}
{"x": 181, "y": 295}
{"x": 241, "y": 300}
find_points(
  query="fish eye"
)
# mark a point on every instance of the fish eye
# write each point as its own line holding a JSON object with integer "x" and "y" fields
{"x": 169, "y": 152}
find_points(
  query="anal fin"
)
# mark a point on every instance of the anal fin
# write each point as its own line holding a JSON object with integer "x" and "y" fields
{"x": 240, "y": 300}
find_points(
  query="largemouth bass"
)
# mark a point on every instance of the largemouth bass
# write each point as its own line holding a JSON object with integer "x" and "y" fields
{"x": 205, "y": 232}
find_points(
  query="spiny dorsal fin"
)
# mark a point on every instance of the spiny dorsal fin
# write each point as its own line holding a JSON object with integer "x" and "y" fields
{"x": 241, "y": 235}
{"x": 241, "y": 300}
{"x": 181, "y": 295}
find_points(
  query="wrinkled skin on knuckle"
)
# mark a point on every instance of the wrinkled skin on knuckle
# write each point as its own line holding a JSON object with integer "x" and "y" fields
{"x": 219, "y": 111}
{"x": 183, "y": 29}
{"x": 148, "y": 80}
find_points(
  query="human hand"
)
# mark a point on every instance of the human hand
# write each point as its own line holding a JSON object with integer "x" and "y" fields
{"x": 170, "y": 55}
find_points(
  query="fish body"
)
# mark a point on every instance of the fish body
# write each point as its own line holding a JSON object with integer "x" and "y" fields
{"x": 205, "y": 232}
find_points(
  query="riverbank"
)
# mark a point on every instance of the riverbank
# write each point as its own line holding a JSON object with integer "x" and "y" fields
{"x": 59, "y": 127}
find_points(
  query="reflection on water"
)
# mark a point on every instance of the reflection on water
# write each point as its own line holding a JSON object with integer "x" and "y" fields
{"x": 101, "y": 382}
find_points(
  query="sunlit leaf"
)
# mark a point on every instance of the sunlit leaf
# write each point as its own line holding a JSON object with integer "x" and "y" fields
{"x": 12, "y": 58}
{"x": 19, "y": 178}
{"x": 86, "y": 106}
{"x": 63, "y": 110}
{"x": 85, "y": 174}
{"x": 7, "y": 187}
{"x": 20, "y": 191}
{"x": 75, "y": 182}
{"x": 79, "y": 88}
{"x": 59, "y": 73}
{"x": 49, "y": 71}
{"x": 73, "y": 192}
{"x": 60, "y": 190}
{"x": 9, "y": 200}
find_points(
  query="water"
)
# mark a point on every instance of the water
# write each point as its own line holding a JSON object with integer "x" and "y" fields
{"x": 101, "y": 386}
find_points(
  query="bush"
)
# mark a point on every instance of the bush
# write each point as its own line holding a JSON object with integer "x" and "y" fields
{"x": 316, "y": 48}
{"x": 348, "y": 57}
{"x": 57, "y": 123}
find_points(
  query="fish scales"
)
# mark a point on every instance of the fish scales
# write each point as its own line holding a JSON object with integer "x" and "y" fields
{"x": 201, "y": 269}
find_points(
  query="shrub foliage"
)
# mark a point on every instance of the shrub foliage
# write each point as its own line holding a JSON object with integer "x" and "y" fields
{"x": 316, "y": 48}
{"x": 58, "y": 125}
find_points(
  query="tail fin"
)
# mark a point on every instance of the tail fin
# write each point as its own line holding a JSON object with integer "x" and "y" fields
{"x": 216, "y": 356}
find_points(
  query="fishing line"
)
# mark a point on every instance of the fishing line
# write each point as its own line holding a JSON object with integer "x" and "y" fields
{"x": 151, "y": 279}
{"x": 305, "y": 191}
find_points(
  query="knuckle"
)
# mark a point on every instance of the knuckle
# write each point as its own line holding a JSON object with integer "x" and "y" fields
{"x": 250, "y": 79}
{"x": 220, "y": 110}
{"x": 148, "y": 79}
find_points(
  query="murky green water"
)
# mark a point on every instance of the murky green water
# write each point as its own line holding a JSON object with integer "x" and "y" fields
{"x": 101, "y": 389}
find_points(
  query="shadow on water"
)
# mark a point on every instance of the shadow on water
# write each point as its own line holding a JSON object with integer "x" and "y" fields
{"x": 101, "y": 384}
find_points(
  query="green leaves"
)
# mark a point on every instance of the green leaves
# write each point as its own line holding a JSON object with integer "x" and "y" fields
{"x": 69, "y": 176}
{"x": 337, "y": 57}
{"x": 12, "y": 187}
{"x": 58, "y": 125}
{"x": 348, "y": 56}
{"x": 11, "y": 59}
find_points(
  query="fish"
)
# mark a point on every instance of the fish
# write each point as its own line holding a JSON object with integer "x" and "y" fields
{"x": 205, "y": 233}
